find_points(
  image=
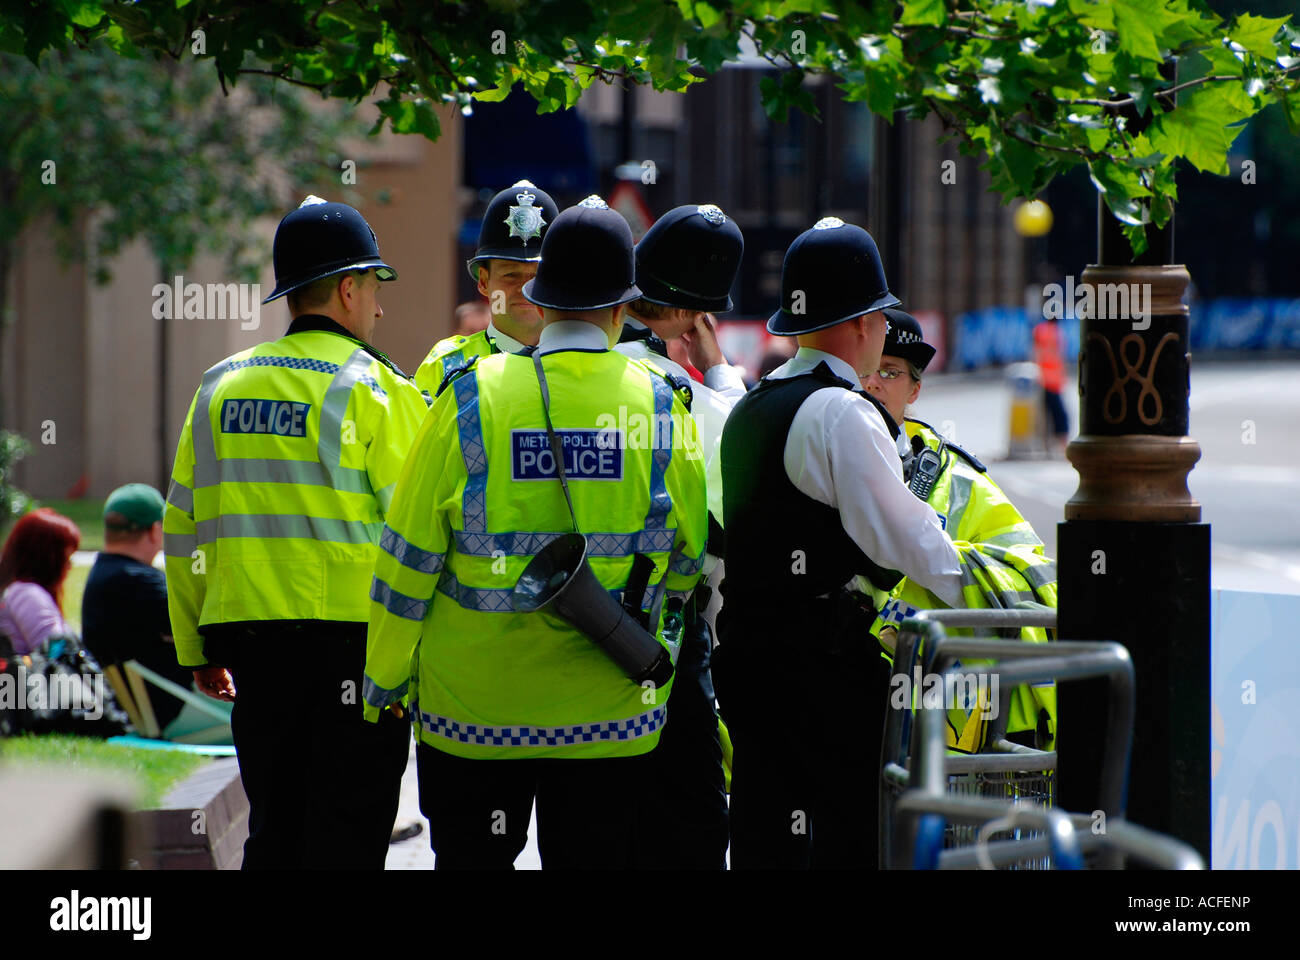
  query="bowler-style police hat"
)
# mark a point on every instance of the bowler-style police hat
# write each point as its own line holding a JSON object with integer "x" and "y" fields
{"x": 513, "y": 226}
{"x": 587, "y": 260}
{"x": 906, "y": 340}
{"x": 831, "y": 273}
{"x": 690, "y": 258}
{"x": 320, "y": 239}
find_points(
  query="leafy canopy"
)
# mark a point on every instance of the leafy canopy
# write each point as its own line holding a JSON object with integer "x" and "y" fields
{"x": 1034, "y": 86}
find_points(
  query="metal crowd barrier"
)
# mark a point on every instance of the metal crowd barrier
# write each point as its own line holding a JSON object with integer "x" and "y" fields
{"x": 1056, "y": 838}
{"x": 1006, "y": 770}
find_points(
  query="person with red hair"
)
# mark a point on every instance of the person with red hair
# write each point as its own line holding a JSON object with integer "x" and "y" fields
{"x": 33, "y": 567}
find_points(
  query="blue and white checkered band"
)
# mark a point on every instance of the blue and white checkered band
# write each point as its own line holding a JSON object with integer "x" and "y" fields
{"x": 906, "y": 336}
{"x": 594, "y": 202}
{"x": 525, "y": 221}
{"x": 712, "y": 213}
{"x": 828, "y": 223}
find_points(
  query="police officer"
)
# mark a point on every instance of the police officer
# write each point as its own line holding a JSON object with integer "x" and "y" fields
{"x": 283, "y": 476}
{"x": 510, "y": 706}
{"x": 813, "y": 495}
{"x": 509, "y": 249}
{"x": 685, "y": 266}
{"x": 975, "y": 513}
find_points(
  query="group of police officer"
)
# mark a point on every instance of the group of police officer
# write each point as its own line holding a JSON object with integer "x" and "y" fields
{"x": 355, "y": 553}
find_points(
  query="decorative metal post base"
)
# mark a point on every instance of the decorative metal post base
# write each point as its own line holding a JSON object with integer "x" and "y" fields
{"x": 1134, "y": 559}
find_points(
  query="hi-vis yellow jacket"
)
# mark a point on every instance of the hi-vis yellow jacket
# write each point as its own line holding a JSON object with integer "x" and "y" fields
{"x": 283, "y": 476}
{"x": 1003, "y": 563}
{"x": 476, "y": 501}
{"x": 449, "y": 356}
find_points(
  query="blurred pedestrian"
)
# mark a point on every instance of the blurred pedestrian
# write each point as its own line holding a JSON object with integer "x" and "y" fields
{"x": 1048, "y": 353}
{"x": 33, "y": 567}
{"x": 472, "y": 317}
{"x": 124, "y": 608}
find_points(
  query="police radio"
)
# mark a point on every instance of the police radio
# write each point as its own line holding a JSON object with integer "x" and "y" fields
{"x": 924, "y": 468}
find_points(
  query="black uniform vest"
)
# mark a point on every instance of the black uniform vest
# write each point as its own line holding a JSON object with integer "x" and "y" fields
{"x": 783, "y": 548}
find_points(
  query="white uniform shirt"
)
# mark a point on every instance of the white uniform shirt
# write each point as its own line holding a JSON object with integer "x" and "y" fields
{"x": 711, "y": 403}
{"x": 839, "y": 452}
{"x": 505, "y": 343}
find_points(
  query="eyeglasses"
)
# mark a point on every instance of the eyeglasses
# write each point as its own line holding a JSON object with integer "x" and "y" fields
{"x": 890, "y": 374}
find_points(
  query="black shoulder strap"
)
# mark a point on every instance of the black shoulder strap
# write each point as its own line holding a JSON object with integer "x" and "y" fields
{"x": 455, "y": 372}
{"x": 966, "y": 455}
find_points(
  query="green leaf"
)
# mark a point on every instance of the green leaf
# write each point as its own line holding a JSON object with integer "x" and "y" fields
{"x": 1256, "y": 34}
{"x": 1022, "y": 164}
{"x": 407, "y": 116}
{"x": 1134, "y": 24}
{"x": 1198, "y": 128}
{"x": 1137, "y": 239}
{"x": 85, "y": 14}
{"x": 923, "y": 13}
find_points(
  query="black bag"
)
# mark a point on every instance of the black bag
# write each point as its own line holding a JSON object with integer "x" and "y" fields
{"x": 57, "y": 689}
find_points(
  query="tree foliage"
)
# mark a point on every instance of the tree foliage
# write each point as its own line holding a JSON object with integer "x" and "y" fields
{"x": 1033, "y": 86}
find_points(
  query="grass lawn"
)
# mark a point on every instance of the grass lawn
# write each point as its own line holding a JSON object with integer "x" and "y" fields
{"x": 88, "y": 514}
{"x": 154, "y": 771}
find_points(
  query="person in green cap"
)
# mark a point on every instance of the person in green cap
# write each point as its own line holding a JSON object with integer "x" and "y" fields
{"x": 124, "y": 609}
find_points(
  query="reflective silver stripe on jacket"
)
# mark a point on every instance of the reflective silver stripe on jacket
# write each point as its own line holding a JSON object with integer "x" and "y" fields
{"x": 407, "y": 554}
{"x": 181, "y": 497}
{"x": 399, "y": 604}
{"x": 474, "y": 500}
{"x": 287, "y": 526}
{"x": 377, "y": 696}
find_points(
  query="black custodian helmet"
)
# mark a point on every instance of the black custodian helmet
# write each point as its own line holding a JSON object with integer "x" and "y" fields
{"x": 513, "y": 226}
{"x": 587, "y": 260}
{"x": 690, "y": 258}
{"x": 320, "y": 239}
{"x": 831, "y": 273}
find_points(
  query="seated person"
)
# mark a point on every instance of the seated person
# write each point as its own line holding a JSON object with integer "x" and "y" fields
{"x": 1004, "y": 558}
{"x": 124, "y": 609}
{"x": 33, "y": 566}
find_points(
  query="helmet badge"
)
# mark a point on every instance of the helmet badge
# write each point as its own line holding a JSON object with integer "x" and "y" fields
{"x": 524, "y": 220}
{"x": 712, "y": 213}
{"x": 828, "y": 223}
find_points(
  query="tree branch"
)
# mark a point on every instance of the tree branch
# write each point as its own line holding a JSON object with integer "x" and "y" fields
{"x": 1163, "y": 94}
{"x": 280, "y": 76}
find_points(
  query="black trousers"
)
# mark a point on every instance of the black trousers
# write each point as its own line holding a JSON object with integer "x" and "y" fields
{"x": 478, "y": 810}
{"x": 322, "y": 783}
{"x": 806, "y": 728}
{"x": 684, "y": 816}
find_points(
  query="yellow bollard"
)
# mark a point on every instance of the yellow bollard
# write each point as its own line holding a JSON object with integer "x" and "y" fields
{"x": 1024, "y": 440}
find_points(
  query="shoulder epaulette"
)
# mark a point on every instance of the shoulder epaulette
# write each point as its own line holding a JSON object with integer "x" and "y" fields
{"x": 681, "y": 385}
{"x": 455, "y": 372}
{"x": 683, "y": 388}
{"x": 969, "y": 457}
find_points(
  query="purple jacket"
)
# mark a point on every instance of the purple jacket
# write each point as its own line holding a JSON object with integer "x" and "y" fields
{"x": 29, "y": 615}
